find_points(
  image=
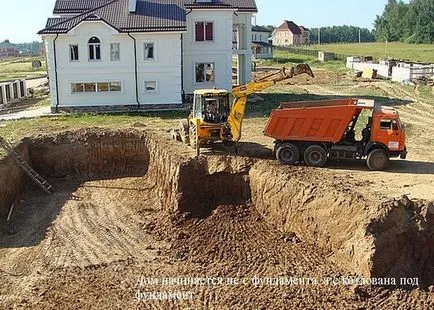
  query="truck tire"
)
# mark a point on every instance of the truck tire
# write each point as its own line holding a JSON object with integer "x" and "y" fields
{"x": 377, "y": 160}
{"x": 287, "y": 153}
{"x": 315, "y": 156}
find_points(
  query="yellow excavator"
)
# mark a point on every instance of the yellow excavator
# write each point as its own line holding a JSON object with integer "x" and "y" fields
{"x": 213, "y": 119}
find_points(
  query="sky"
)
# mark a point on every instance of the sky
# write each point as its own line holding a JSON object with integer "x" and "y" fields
{"x": 20, "y": 20}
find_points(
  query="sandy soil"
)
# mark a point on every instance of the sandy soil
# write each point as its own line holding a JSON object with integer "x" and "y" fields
{"x": 106, "y": 235}
{"x": 88, "y": 244}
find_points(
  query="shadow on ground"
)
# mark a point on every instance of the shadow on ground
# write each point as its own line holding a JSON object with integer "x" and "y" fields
{"x": 396, "y": 166}
{"x": 244, "y": 149}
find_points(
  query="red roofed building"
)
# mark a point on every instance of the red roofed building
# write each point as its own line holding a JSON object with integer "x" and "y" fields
{"x": 289, "y": 33}
{"x": 7, "y": 49}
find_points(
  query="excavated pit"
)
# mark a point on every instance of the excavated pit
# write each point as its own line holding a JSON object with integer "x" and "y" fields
{"x": 390, "y": 238}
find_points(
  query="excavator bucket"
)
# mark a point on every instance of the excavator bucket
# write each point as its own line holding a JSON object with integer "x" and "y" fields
{"x": 284, "y": 73}
{"x": 303, "y": 68}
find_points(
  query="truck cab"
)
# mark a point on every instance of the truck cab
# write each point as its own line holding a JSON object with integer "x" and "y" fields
{"x": 387, "y": 131}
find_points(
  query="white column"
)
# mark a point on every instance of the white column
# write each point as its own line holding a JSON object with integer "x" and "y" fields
{"x": 3, "y": 94}
{"x": 11, "y": 88}
{"x": 18, "y": 89}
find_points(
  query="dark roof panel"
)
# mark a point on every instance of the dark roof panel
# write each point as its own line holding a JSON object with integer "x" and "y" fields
{"x": 77, "y": 6}
{"x": 7, "y": 44}
{"x": 240, "y": 5}
{"x": 291, "y": 26}
{"x": 150, "y": 15}
{"x": 260, "y": 29}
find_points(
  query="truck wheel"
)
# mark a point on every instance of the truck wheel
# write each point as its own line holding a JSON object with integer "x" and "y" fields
{"x": 287, "y": 153}
{"x": 377, "y": 160}
{"x": 315, "y": 156}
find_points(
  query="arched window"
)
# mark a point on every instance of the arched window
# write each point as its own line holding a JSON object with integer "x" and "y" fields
{"x": 94, "y": 48}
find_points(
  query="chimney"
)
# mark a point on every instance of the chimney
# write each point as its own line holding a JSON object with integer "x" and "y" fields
{"x": 132, "y": 6}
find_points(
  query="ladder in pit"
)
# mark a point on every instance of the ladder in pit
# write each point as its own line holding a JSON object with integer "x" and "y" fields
{"x": 40, "y": 181}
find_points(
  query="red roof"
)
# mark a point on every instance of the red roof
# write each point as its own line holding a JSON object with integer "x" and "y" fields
{"x": 291, "y": 26}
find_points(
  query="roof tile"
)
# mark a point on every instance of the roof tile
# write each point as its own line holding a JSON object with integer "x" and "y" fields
{"x": 150, "y": 15}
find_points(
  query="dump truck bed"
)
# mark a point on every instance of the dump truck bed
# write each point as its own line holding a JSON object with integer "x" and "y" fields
{"x": 319, "y": 120}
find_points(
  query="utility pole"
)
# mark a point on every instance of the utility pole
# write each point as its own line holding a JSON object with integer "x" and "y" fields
{"x": 360, "y": 35}
{"x": 319, "y": 35}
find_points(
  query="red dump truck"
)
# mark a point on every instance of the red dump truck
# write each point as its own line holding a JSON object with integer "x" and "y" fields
{"x": 314, "y": 131}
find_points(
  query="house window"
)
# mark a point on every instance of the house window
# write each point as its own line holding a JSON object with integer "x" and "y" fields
{"x": 149, "y": 49}
{"x": 115, "y": 52}
{"x": 115, "y": 86}
{"x": 205, "y": 72}
{"x": 96, "y": 87}
{"x": 103, "y": 87}
{"x": 94, "y": 48}
{"x": 150, "y": 86}
{"x": 204, "y": 31}
{"x": 89, "y": 87}
{"x": 73, "y": 52}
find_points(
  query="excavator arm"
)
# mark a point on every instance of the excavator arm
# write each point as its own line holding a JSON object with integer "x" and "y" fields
{"x": 241, "y": 93}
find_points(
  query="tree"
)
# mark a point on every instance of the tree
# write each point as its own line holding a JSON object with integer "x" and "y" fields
{"x": 341, "y": 34}
{"x": 411, "y": 22}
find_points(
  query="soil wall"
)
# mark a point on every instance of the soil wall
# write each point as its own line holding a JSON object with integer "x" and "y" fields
{"x": 90, "y": 154}
{"x": 12, "y": 181}
{"x": 185, "y": 184}
{"x": 373, "y": 239}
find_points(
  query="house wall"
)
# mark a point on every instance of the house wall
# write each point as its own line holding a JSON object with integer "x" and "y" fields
{"x": 165, "y": 69}
{"x": 8, "y": 52}
{"x": 243, "y": 24}
{"x": 260, "y": 36}
{"x": 284, "y": 38}
{"x": 219, "y": 51}
{"x": 287, "y": 38}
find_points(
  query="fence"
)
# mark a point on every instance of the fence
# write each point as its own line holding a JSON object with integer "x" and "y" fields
{"x": 12, "y": 91}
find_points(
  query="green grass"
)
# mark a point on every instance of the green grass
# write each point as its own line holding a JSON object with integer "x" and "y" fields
{"x": 284, "y": 58}
{"x": 21, "y": 68}
{"x": 414, "y": 52}
{"x": 18, "y": 129}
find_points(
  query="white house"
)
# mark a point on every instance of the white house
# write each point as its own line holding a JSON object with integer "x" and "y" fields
{"x": 143, "y": 54}
{"x": 261, "y": 48}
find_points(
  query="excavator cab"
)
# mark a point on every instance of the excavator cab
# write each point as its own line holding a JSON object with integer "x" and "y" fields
{"x": 211, "y": 106}
{"x": 214, "y": 117}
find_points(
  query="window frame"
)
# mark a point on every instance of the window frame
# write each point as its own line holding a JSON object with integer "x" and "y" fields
{"x": 111, "y": 51}
{"x": 95, "y": 92}
{"x": 95, "y": 47}
{"x": 70, "y": 53}
{"x": 151, "y": 91}
{"x": 204, "y": 22}
{"x": 205, "y": 81}
{"x": 154, "y": 46}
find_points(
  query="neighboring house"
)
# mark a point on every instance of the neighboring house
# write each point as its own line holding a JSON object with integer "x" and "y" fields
{"x": 261, "y": 48}
{"x": 7, "y": 49}
{"x": 289, "y": 33}
{"x": 143, "y": 54}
